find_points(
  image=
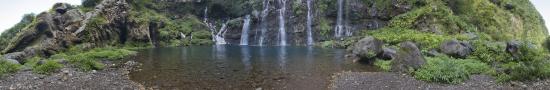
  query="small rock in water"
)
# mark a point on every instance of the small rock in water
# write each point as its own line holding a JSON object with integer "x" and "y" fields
{"x": 258, "y": 88}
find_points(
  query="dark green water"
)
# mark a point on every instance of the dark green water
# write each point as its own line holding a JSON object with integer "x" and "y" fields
{"x": 241, "y": 67}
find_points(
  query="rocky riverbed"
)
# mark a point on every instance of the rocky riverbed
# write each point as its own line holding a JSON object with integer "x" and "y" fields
{"x": 394, "y": 81}
{"x": 113, "y": 77}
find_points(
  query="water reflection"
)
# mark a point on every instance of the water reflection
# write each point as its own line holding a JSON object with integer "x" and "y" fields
{"x": 245, "y": 51}
{"x": 282, "y": 57}
{"x": 239, "y": 67}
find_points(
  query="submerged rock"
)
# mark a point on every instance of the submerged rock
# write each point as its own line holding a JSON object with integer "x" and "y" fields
{"x": 367, "y": 48}
{"x": 408, "y": 57}
{"x": 456, "y": 48}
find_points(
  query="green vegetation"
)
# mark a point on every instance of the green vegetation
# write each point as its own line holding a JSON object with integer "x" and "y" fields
{"x": 444, "y": 69}
{"x": 382, "y": 64}
{"x": 48, "y": 67}
{"x": 7, "y": 67}
{"x": 90, "y": 59}
{"x": 9, "y": 34}
{"x": 394, "y": 36}
{"x": 532, "y": 63}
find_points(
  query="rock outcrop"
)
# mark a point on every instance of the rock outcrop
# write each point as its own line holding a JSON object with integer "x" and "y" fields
{"x": 55, "y": 31}
{"x": 408, "y": 57}
{"x": 368, "y": 48}
{"x": 387, "y": 54}
{"x": 456, "y": 48}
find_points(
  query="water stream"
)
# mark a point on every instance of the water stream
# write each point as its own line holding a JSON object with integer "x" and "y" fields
{"x": 244, "y": 33}
{"x": 282, "y": 22}
{"x": 309, "y": 23}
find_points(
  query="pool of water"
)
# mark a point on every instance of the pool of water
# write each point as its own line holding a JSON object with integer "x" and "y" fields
{"x": 241, "y": 67}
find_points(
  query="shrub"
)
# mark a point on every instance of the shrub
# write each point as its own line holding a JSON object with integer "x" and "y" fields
{"x": 47, "y": 67}
{"x": 444, "y": 69}
{"x": 531, "y": 64}
{"x": 7, "y": 67}
{"x": 327, "y": 44}
{"x": 490, "y": 52}
{"x": 384, "y": 65}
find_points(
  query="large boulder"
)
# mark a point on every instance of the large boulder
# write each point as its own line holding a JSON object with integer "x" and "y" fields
{"x": 456, "y": 48}
{"x": 367, "y": 48}
{"x": 12, "y": 61}
{"x": 388, "y": 54}
{"x": 18, "y": 56}
{"x": 408, "y": 57}
{"x": 62, "y": 7}
{"x": 512, "y": 48}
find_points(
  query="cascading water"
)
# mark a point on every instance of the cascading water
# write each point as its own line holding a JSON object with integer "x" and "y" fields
{"x": 309, "y": 23}
{"x": 244, "y": 33}
{"x": 263, "y": 25}
{"x": 217, "y": 35}
{"x": 282, "y": 31}
{"x": 339, "y": 29}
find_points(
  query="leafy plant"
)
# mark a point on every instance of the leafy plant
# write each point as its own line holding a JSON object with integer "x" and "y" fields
{"x": 7, "y": 67}
{"x": 384, "y": 65}
{"x": 47, "y": 67}
{"x": 444, "y": 69}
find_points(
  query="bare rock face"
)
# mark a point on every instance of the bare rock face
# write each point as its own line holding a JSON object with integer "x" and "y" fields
{"x": 368, "y": 48}
{"x": 456, "y": 48}
{"x": 408, "y": 57}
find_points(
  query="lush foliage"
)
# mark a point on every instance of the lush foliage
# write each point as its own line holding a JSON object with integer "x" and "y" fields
{"x": 444, "y": 69}
{"x": 395, "y": 36}
{"x": 384, "y": 65}
{"x": 9, "y": 34}
{"x": 47, "y": 67}
{"x": 7, "y": 67}
{"x": 90, "y": 59}
{"x": 532, "y": 63}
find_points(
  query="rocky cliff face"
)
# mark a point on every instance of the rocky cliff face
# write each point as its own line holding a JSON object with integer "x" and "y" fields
{"x": 202, "y": 22}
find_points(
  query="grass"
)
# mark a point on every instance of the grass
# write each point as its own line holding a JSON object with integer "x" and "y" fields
{"x": 47, "y": 67}
{"x": 443, "y": 69}
{"x": 90, "y": 59}
{"x": 395, "y": 36}
{"x": 384, "y": 65}
{"x": 6, "y": 67}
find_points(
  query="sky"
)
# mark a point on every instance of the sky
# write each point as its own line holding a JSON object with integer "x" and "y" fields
{"x": 13, "y": 10}
{"x": 543, "y": 6}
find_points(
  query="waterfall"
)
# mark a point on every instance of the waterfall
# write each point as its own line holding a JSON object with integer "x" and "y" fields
{"x": 244, "y": 33}
{"x": 338, "y": 30}
{"x": 282, "y": 31}
{"x": 263, "y": 28}
{"x": 217, "y": 35}
{"x": 205, "y": 14}
{"x": 309, "y": 22}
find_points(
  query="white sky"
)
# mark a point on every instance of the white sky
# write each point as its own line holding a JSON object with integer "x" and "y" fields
{"x": 11, "y": 11}
{"x": 543, "y": 6}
